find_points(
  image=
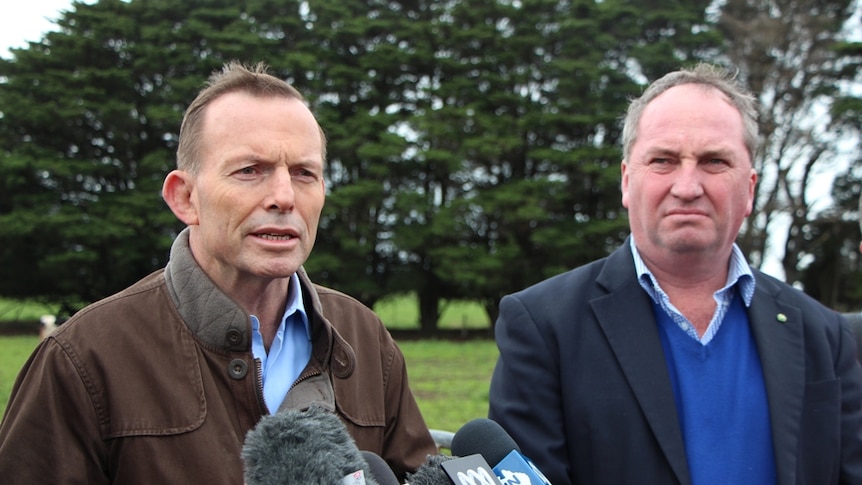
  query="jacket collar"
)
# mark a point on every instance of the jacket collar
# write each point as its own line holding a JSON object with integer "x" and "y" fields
{"x": 625, "y": 315}
{"x": 776, "y": 324}
{"x": 211, "y": 315}
{"x": 218, "y": 321}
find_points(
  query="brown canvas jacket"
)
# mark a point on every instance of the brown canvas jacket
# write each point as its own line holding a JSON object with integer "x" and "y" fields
{"x": 157, "y": 384}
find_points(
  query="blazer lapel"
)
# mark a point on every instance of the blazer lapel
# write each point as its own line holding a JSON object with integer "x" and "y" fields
{"x": 626, "y": 317}
{"x": 777, "y": 330}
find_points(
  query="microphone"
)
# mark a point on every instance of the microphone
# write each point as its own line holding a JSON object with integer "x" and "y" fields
{"x": 489, "y": 439}
{"x": 470, "y": 470}
{"x": 380, "y": 471}
{"x": 430, "y": 473}
{"x": 303, "y": 448}
{"x": 448, "y": 470}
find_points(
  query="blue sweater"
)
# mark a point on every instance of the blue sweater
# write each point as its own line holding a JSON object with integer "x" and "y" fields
{"x": 721, "y": 401}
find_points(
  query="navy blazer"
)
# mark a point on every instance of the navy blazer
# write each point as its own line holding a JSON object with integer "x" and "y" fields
{"x": 582, "y": 385}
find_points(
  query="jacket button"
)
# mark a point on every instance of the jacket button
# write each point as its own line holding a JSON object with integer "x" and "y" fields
{"x": 233, "y": 337}
{"x": 237, "y": 369}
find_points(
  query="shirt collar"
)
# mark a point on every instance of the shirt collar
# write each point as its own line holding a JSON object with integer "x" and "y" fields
{"x": 738, "y": 273}
{"x": 295, "y": 304}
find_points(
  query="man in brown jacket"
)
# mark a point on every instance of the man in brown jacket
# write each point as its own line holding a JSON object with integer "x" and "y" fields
{"x": 161, "y": 382}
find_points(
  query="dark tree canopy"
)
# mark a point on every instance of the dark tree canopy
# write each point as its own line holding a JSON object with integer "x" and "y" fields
{"x": 473, "y": 146}
{"x": 834, "y": 274}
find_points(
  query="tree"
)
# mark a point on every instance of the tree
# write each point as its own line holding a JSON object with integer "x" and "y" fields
{"x": 366, "y": 55}
{"x": 791, "y": 54}
{"x": 88, "y": 130}
{"x": 520, "y": 135}
{"x": 121, "y": 74}
{"x": 472, "y": 145}
{"x": 834, "y": 275}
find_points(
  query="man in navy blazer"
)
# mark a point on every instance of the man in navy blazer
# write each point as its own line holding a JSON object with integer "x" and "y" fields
{"x": 672, "y": 361}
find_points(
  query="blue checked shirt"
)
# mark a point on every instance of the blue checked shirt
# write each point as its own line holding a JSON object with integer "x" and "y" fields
{"x": 739, "y": 273}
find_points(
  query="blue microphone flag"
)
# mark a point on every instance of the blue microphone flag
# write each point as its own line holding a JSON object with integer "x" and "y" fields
{"x": 517, "y": 469}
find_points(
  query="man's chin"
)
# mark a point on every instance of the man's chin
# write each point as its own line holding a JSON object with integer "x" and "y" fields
{"x": 694, "y": 247}
{"x": 691, "y": 241}
{"x": 277, "y": 269}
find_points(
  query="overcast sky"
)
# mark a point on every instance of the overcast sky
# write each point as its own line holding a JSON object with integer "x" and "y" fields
{"x": 27, "y": 20}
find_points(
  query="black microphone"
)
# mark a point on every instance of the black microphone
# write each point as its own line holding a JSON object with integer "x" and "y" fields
{"x": 448, "y": 470}
{"x": 303, "y": 448}
{"x": 489, "y": 439}
{"x": 430, "y": 473}
{"x": 380, "y": 471}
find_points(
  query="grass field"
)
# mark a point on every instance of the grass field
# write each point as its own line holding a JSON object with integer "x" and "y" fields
{"x": 401, "y": 312}
{"x": 14, "y": 351}
{"x": 23, "y": 310}
{"x": 449, "y": 379}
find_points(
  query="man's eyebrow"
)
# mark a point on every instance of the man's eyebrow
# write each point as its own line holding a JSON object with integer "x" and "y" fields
{"x": 717, "y": 153}
{"x": 709, "y": 153}
{"x": 244, "y": 158}
{"x": 660, "y": 151}
{"x": 308, "y": 162}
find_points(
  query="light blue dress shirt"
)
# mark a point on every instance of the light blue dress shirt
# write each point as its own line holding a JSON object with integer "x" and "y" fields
{"x": 290, "y": 349}
{"x": 739, "y": 273}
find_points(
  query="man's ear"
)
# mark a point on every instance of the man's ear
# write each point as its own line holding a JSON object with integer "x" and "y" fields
{"x": 624, "y": 183}
{"x": 177, "y": 192}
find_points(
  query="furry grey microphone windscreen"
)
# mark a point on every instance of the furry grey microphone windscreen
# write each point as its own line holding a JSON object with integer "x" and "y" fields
{"x": 484, "y": 437}
{"x": 301, "y": 448}
{"x": 431, "y": 473}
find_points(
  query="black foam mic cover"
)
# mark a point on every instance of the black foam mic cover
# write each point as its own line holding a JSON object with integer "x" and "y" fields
{"x": 430, "y": 473}
{"x": 380, "y": 471}
{"x": 485, "y": 437}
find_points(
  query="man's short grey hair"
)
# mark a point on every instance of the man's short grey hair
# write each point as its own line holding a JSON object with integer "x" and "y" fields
{"x": 709, "y": 76}
{"x": 233, "y": 77}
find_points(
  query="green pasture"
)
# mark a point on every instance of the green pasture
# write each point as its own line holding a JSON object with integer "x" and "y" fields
{"x": 402, "y": 312}
{"x": 15, "y": 310}
{"x": 14, "y": 351}
{"x": 397, "y": 312}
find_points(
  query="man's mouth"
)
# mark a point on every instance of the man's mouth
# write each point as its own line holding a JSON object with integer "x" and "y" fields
{"x": 276, "y": 237}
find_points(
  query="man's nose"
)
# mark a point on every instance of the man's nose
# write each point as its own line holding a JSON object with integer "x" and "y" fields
{"x": 688, "y": 181}
{"x": 281, "y": 196}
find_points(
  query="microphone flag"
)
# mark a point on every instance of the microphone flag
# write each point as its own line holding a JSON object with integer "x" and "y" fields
{"x": 470, "y": 470}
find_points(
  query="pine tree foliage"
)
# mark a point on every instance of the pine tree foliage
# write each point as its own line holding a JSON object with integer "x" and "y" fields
{"x": 473, "y": 146}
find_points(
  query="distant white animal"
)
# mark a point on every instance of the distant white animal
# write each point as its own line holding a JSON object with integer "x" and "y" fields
{"x": 49, "y": 324}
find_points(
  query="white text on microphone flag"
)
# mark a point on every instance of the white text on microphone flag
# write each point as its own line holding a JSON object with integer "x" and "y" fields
{"x": 470, "y": 470}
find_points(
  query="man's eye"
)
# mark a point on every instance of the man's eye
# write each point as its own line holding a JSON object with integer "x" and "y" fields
{"x": 716, "y": 164}
{"x": 305, "y": 174}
